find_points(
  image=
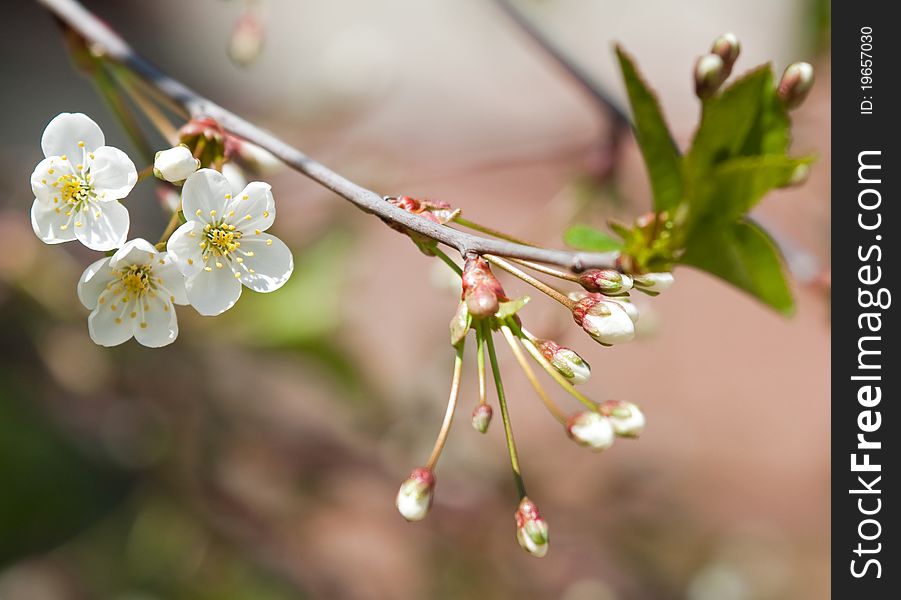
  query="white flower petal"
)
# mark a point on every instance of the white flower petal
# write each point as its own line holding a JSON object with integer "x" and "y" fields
{"x": 253, "y": 208}
{"x": 134, "y": 252}
{"x": 101, "y": 225}
{"x": 269, "y": 266}
{"x": 215, "y": 291}
{"x": 170, "y": 279}
{"x": 175, "y": 164}
{"x": 156, "y": 324}
{"x": 205, "y": 191}
{"x": 113, "y": 175}
{"x": 65, "y": 131}
{"x": 235, "y": 176}
{"x": 110, "y": 324}
{"x": 184, "y": 248}
{"x": 94, "y": 281}
{"x": 45, "y": 175}
{"x": 50, "y": 225}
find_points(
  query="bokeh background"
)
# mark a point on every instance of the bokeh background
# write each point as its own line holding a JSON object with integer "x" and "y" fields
{"x": 258, "y": 456}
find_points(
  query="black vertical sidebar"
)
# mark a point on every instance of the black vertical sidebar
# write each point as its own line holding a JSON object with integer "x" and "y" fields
{"x": 866, "y": 422}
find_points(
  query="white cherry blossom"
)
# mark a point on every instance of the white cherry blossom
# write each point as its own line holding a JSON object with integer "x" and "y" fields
{"x": 225, "y": 244}
{"x": 175, "y": 164}
{"x": 131, "y": 294}
{"x": 77, "y": 187}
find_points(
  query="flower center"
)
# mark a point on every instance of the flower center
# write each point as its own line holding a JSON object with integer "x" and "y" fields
{"x": 75, "y": 190}
{"x": 136, "y": 279}
{"x": 222, "y": 239}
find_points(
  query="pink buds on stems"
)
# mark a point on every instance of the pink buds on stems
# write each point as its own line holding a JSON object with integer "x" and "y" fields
{"x": 414, "y": 498}
{"x": 727, "y": 47}
{"x": 482, "y": 292}
{"x": 531, "y": 528}
{"x": 795, "y": 84}
{"x": 626, "y": 418}
{"x": 710, "y": 73}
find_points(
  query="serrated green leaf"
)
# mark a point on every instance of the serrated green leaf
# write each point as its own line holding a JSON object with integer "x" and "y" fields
{"x": 583, "y": 237}
{"x": 726, "y": 121}
{"x": 661, "y": 156}
{"x": 743, "y": 255}
{"x": 771, "y": 131}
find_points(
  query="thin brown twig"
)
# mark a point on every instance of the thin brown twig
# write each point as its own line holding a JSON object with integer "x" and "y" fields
{"x": 106, "y": 43}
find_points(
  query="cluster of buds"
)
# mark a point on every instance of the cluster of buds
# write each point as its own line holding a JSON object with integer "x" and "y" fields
{"x": 482, "y": 292}
{"x": 597, "y": 429}
{"x": 712, "y": 69}
{"x": 435, "y": 211}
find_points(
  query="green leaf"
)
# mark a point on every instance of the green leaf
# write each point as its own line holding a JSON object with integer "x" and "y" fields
{"x": 742, "y": 254}
{"x": 661, "y": 156}
{"x": 583, "y": 237}
{"x": 726, "y": 121}
{"x": 735, "y": 186}
{"x": 511, "y": 307}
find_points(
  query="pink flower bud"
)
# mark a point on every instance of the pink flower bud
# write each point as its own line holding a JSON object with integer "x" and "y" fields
{"x": 710, "y": 73}
{"x": 604, "y": 319}
{"x": 414, "y": 499}
{"x": 565, "y": 361}
{"x": 481, "y": 289}
{"x": 727, "y": 47}
{"x": 206, "y": 140}
{"x": 592, "y": 430}
{"x": 605, "y": 281}
{"x": 531, "y": 529}
{"x": 246, "y": 41}
{"x": 795, "y": 84}
{"x": 626, "y": 418}
{"x": 481, "y": 417}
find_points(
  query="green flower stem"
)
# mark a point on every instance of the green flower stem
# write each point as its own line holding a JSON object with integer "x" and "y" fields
{"x": 459, "y": 220}
{"x": 154, "y": 114}
{"x": 451, "y": 408}
{"x": 170, "y": 229}
{"x": 480, "y": 361}
{"x": 530, "y": 375}
{"x": 448, "y": 261}
{"x": 532, "y": 349}
{"x": 539, "y": 285}
{"x": 505, "y": 416}
{"x": 110, "y": 93}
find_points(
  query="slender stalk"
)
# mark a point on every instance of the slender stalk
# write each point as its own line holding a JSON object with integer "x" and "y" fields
{"x": 171, "y": 226}
{"x": 547, "y": 270}
{"x": 122, "y": 111}
{"x": 451, "y": 408}
{"x": 460, "y": 220}
{"x": 154, "y": 114}
{"x": 530, "y": 375}
{"x": 505, "y": 416}
{"x": 145, "y": 173}
{"x": 448, "y": 261}
{"x": 536, "y": 283}
{"x": 480, "y": 360}
{"x": 532, "y": 349}
{"x": 113, "y": 48}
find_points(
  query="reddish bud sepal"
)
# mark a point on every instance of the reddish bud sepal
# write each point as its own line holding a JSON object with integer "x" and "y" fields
{"x": 605, "y": 281}
{"x": 481, "y": 417}
{"x": 607, "y": 320}
{"x": 565, "y": 361}
{"x": 207, "y": 141}
{"x": 482, "y": 292}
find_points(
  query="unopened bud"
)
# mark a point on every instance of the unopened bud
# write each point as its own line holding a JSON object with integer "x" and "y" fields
{"x": 727, "y": 48}
{"x": 246, "y": 41}
{"x": 482, "y": 292}
{"x": 565, "y": 361}
{"x": 710, "y": 73}
{"x": 626, "y": 418}
{"x": 415, "y": 495}
{"x": 653, "y": 283}
{"x": 531, "y": 529}
{"x": 604, "y": 319}
{"x": 795, "y": 84}
{"x": 206, "y": 140}
{"x": 175, "y": 164}
{"x": 799, "y": 176}
{"x": 459, "y": 325}
{"x": 481, "y": 417}
{"x": 592, "y": 430}
{"x": 605, "y": 281}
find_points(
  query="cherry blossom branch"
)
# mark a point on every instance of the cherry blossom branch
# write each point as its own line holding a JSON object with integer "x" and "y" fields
{"x": 104, "y": 42}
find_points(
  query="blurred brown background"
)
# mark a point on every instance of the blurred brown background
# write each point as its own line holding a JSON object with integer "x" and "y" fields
{"x": 258, "y": 457}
